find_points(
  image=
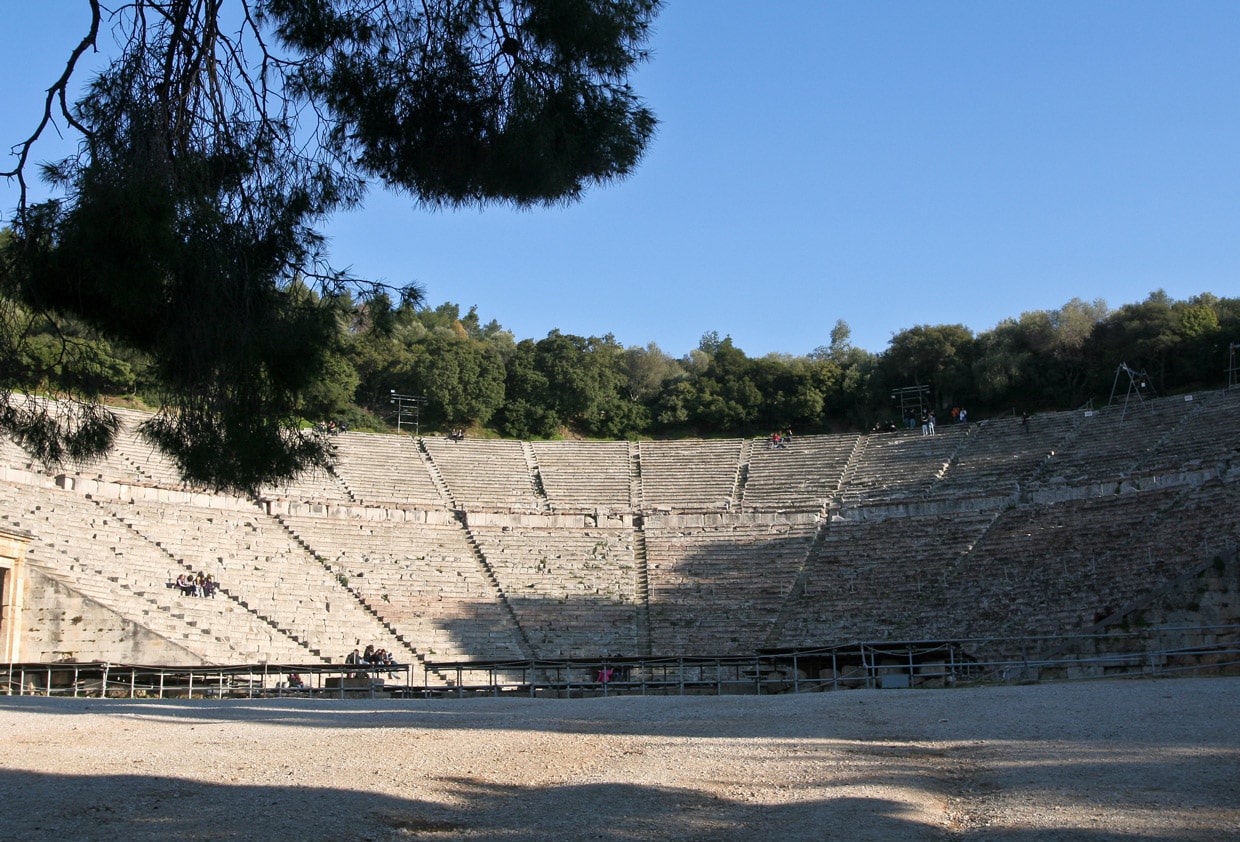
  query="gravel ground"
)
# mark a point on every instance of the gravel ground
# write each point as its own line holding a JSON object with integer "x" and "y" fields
{"x": 1123, "y": 760}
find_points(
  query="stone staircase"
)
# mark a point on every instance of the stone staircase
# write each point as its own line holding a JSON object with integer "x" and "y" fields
{"x": 489, "y": 574}
{"x": 436, "y": 476}
{"x": 635, "y": 478}
{"x": 531, "y": 463}
{"x": 409, "y": 649}
{"x": 641, "y": 589}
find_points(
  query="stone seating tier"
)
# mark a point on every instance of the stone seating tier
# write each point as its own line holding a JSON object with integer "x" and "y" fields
{"x": 706, "y": 547}
{"x": 901, "y": 465}
{"x": 718, "y": 589}
{"x": 384, "y": 469}
{"x": 864, "y": 578}
{"x": 485, "y": 474}
{"x": 94, "y": 553}
{"x": 262, "y": 566}
{"x": 585, "y": 475}
{"x": 1112, "y": 442}
{"x": 573, "y": 591}
{"x": 421, "y": 578}
{"x": 689, "y": 475}
{"x": 1206, "y": 426}
{"x": 804, "y": 474}
{"x": 999, "y": 454}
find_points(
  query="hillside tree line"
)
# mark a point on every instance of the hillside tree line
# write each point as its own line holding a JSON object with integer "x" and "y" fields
{"x": 478, "y": 376}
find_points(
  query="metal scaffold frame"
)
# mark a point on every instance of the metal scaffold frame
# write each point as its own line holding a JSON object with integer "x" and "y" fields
{"x": 1138, "y": 387}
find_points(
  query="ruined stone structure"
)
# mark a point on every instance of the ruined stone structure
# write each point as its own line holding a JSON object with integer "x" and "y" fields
{"x": 443, "y": 550}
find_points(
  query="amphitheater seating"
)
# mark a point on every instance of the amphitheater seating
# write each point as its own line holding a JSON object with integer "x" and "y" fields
{"x": 486, "y": 474}
{"x": 131, "y": 460}
{"x": 900, "y": 466}
{"x": 583, "y": 475}
{"x": 260, "y": 564}
{"x": 1111, "y": 442}
{"x": 585, "y": 549}
{"x": 1200, "y": 440}
{"x": 690, "y": 475}
{"x": 141, "y": 459}
{"x": 999, "y": 456}
{"x": 572, "y": 589}
{"x": 421, "y": 578}
{"x": 804, "y": 475}
{"x": 717, "y": 588}
{"x": 1045, "y": 570}
{"x": 384, "y": 469}
{"x": 13, "y": 457}
{"x": 867, "y": 580}
{"x": 91, "y": 551}
{"x": 318, "y": 487}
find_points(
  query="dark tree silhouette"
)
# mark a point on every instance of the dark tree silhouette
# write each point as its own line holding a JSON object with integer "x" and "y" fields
{"x": 221, "y": 134}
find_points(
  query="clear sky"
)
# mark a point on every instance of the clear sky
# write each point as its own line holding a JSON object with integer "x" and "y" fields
{"x": 890, "y": 164}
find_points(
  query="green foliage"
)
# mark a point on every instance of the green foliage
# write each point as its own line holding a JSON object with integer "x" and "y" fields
{"x": 940, "y": 357}
{"x": 186, "y": 231}
{"x": 57, "y": 432}
{"x": 332, "y": 395}
{"x": 461, "y": 103}
{"x": 646, "y": 370}
{"x": 1141, "y": 335}
{"x": 474, "y": 374}
{"x": 462, "y": 379}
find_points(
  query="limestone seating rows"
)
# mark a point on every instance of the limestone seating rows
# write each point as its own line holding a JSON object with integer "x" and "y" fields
{"x": 384, "y": 469}
{"x": 732, "y": 585}
{"x": 13, "y": 457}
{"x": 485, "y": 474}
{"x": 144, "y": 460}
{"x": 317, "y": 486}
{"x": 718, "y": 589}
{"x": 573, "y": 590}
{"x": 901, "y": 465}
{"x": 1202, "y": 436}
{"x": 255, "y": 559}
{"x": 584, "y": 475}
{"x": 701, "y": 475}
{"x": 866, "y": 576}
{"x": 802, "y": 475}
{"x": 689, "y": 475}
{"x": 93, "y": 552}
{"x": 1000, "y": 454}
{"x": 1043, "y": 569}
{"x": 1111, "y": 441}
{"x": 560, "y": 563}
{"x": 421, "y": 578}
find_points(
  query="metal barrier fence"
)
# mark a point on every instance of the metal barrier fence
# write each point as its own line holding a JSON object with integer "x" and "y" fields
{"x": 1150, "y": 652}
{"x": 1160, "y": 651}
{"x": 248, "y": 681}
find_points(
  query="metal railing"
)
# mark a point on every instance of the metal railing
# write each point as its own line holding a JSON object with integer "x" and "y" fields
{"x": 1157, "y": 651}
{"x": 103, "y": 679}
{"x": 1151, "y": 652}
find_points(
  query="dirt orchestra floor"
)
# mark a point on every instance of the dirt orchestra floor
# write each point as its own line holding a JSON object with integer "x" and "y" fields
{"x": 1115, "y": 760}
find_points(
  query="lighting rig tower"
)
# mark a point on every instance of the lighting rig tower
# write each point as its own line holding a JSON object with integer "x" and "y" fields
{"x": 911, "y": 398}
{"x": 1139, "y": 387}
{"x": 407, "y": 405}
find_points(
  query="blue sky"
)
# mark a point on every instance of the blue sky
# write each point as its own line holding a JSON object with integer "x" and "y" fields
{"x": 890, "y": 164}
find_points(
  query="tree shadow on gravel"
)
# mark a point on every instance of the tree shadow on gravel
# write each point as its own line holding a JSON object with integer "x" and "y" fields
{"x": 158, "y": 807}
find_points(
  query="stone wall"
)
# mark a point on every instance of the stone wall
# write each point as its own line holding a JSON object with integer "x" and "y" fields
{"x": 61, "y": 624}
